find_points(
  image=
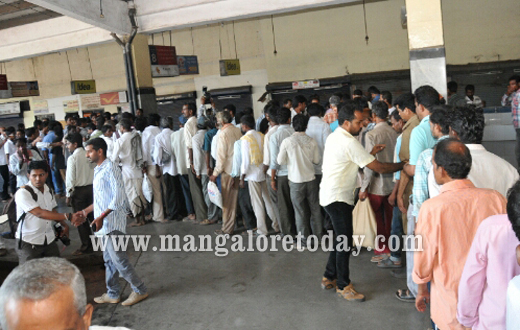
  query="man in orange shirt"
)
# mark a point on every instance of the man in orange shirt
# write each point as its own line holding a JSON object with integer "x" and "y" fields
{"x": 447, "y": 225}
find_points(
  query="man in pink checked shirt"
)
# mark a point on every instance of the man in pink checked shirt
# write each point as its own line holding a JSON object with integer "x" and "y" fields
{"x": 491, "y": 264}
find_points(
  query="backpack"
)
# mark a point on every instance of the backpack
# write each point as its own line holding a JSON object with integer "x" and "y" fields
{"x": 10, "y": 210}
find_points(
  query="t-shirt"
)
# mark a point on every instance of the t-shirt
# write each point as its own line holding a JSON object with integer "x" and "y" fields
{"x": 513, "y": 304}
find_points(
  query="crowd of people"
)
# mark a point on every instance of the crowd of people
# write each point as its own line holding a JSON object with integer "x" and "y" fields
{"x": 300, "y": 168}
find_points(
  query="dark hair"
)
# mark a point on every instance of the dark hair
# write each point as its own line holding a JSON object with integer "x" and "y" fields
{"x": 468, "y": 122}
{"x": 126, "y": 124}
{"x": 453, "y": 86}
{"x": 406, "y": 100}
{"x": 298, "y": 99}
{"x": 231, "y": 108}
{"x": 38, "y": 165}
{"x": 10, "y": 130}
{"x": 315, "y": 109}
{"x": 193, "y": 107}
{"x": 386, "y": 95}
{"x": 37, "y": 123}
{"x": 347, "y": 111}
{"x": 249, "y": 121}
{"x": 515, "y": 78}
{"x": 395, "y": 114}
{"x": 380, "y": 109}
{"x": 128, "y": 115}
{"x": 275, "y": 103}
{"x": 91, "y": 126}
{"x": 248, "y": 111}
{"x": 154, "y": 119}
{"x": 30, "y": 131}
{"x": 264, "y": 126}
{"x": 286, "y": 101}
{"x": 314, "y": 97}
{"x": 427, "y": 96}
{"x": 107, "y": 115}
{"x": 98, "y": 143}
{"x": 75, "y": 138}
{"x": 513, "y": 207}
{"x": 454, "y": 157}
{"x": 300, "y": 123}
{"x": 440, "y": 116}
{"x": 21, "y": 140}
{"x": 284, "y": 115}
{"x": 470, "y": 88}
{"x": 140, "y": 123}
{"x": 360, "y": 104}
{"x": 358, "y": 92}
{"x": 21, "y": 131}
{"x": 373, "y": 90}
{"x": 106, "y": 128}
{"x": 273, "y": 114}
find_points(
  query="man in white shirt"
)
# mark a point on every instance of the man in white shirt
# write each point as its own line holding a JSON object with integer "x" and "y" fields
{"x": 153, "y": 171}
{"x": 272, "y": 117}
{"x": 35, "y": 236}
{"x": 343, "y": 157}
{"x": 78, "y": 187}
{"x": 300, "y": 153}
{"x": 128, "y": 152}
{"x": 4, "y": 167}
{"x": 19, "y": 162}
{"x": 179, "y": 153}
{"x": 487, "y": 169}
{"x": 319, "y": 131}
{"x": 299, "y": 103}
{"x": 108, "y": 136}
{"x": 10, "y": 150}
{"x": 472, "y": 99}
{"x": 190, "y": 129}
{"x": 252, "y": 171}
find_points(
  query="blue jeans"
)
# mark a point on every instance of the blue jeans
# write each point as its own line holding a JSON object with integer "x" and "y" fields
{"x": 117, "y": 263}
{"x": 185, "y": 184}
{"x": 59, "y": 187}
{"x": 397, "y": 229}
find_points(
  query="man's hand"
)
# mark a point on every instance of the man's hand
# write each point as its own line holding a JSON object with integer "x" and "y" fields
{"x": 392, "y": 198}
{"x": 210, "y": 171}
{"x": 422, "y": 298}
{"x": 158, "y": 172}
{"x": 65, "y": 231}
{"x": 99, "y": 223}
{"x": 242, "y": 184}
{"x": 213, "y": 179}
{"x": 273, "y": 184}
{"x": 68, "y": 201}
{"x": 78, "y": 219}
{"x": 363, "y": 195}
{"x": 400, "y": 204}
{"x": 193, "y": 169}
{"x": 377, "y": 148}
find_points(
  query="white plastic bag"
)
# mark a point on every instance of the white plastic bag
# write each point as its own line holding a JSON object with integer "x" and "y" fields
{"x": 214, "y": 194}
{"x": 365, "y": 223}
{"x": 147, "y": 189}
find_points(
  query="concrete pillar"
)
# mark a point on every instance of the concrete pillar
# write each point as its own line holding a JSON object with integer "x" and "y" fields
{"x": 146, "y": 98}
{"x": 426, "y": 43}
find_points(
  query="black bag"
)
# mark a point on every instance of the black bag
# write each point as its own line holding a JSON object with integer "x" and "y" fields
{"x": 10, "y": 210}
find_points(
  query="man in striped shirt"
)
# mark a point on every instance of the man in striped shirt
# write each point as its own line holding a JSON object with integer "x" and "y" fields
{"x": 110, "y": 205}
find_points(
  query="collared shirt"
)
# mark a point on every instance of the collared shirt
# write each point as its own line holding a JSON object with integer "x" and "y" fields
{"x": 214, "y": 143}
{"x": 95, "y": 134}
{"x": 149, "y": 135}
{"x": 447, "y": 225}
{"x": 404, "y": 153}
{"x": 331, "y": 116}
{"x": 506, "y": 100}
{"x": 10, "y": 148}
{"x": 259, "y": 121}
{"x": 110, "y": 145}
{"x": 343, "y": 157}
{"x": 35, "y": 230}
{"x": 283, "y": 132}
{"x": 490, "y": 171}
{"x": 490, "y": 265}
{"x": 380, "y": 184}
{"x": 124, "y": 154}
{"x": 80, "y": 171}
{"x": 513, "y": 304}
{"x": 163, "y": 144}
{"x": 334, "y": 125}
{"x": 208, "y": 138}
{"x": 19, "y": 169}
{"x": 252, "y": 172}
{"x": 300, "y": 152}
{"x": 199, "y": 156}
{"x": 237, "y": 159}
{"x": 49, "y": 138}
{"x": 3, "y": 159}
{"x": 477, "y": 102}
{"x": 420, "y": 179}
{"x": 515, "y": 109}
{"x": 226, "y": 138}
{"x": 109, "y": 193}
{"x": 319, "y": 131}
{"x": 420, "y": 139}
{"x": 189, "y": 132}
{"x": 397, "y": 175}
{"x": 267, "y": 151}
{"x": 179, "y": 151}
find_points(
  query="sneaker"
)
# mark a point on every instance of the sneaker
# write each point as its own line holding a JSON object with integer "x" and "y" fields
{"x": 350, "y": 294}
{"x": 327, "y": 284}
{"x": 134, "y": 298}
{"x": 105, "y": 299}
{"x": 389, "y": 263}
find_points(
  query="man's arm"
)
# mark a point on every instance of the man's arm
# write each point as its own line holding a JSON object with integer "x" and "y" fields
{"x": 246, "y": 158}
{"x": 409, "y": 169}
{"x": 405, "y": 179}
{"x": 282, "y": 158}
{"x": 383, "y": 168}
{"x": 70, "y": 176}
{"x": 222, "y": 145}
{"x": 316, "y": 159}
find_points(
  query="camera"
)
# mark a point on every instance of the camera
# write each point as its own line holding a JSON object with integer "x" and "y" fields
{"x": 206, "y": 95}
{"x": 64, "y": 239}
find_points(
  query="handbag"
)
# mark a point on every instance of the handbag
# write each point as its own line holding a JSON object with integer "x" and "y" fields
{"x": 214, "y": 194}
{"x": 147, "y": 189}
{"x": 364, "y": 223}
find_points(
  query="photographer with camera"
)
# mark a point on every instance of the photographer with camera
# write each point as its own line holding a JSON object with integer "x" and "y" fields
{"x": 207, "y": 105}
{"x": 39, "y": 225}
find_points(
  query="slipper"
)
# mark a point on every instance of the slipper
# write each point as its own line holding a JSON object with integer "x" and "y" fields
{"x": 136, "y": 224}
{"x": 379, "y": 258}
{"x": 207, "y": 222}
{"x": 388, "y": 263}
{"x": 405, "y": 295}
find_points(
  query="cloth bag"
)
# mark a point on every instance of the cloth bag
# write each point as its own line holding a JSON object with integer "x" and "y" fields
{"x": 147, "y": 189}
{"x": 214, "y": 194}
{"x": 364, "y": 223}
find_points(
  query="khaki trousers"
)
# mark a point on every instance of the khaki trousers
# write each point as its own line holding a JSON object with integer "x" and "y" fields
{"x": 229, "y": 202}
{"x": 157, "y": 204}
{"x": 261, "y": 202}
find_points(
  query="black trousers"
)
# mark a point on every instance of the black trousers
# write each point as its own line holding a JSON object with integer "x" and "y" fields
{"x": 338, "y": 265}
{"x": 12, "y": 183}
{"x": 246, "y": 208}
{"x": 29, "y": 251}
{"x": 4, "y": 171}
{"x": 173, "y": 199}
{"x": 81, "y": 198}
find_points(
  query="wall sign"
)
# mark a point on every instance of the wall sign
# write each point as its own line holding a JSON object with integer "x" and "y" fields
{"x": 306, "y": 84}
{"x": 24, "y": 88}
{"x": 71, "y": 106}
{"x": 229, "y": 67}
{"x": 40, "y": 106}
{"x": 10, "y": 109}
{"x": 164, "y": 61}
{"x": 113, "y": 98}
{"x": 90, "y": 102}
{"x": 83, "y": 86}
{"x": 188, "y": 64}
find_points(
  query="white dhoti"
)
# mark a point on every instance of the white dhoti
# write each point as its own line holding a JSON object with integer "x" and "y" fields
{"x": 134, "y": 193}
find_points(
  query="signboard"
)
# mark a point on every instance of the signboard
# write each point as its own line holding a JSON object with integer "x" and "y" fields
{"x": 9, "y": 109}
{"x": 113, "y": 98}
{"x": 24, "y": 88}
{"x": 90, "y": 102}
{"x": 164, "y": 61}
{"x": 71, "y": 106}
{"x": 3, "y": 82}
{"x": 188, "y": 64}
{"x": 40, "y": 106}
{"x": 306, "y": 84}
{"x": 83, "y": 86}
{"x": 229, "y": 67}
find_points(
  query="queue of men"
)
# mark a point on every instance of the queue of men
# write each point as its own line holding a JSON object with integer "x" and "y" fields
{"x": 300, "y": 169}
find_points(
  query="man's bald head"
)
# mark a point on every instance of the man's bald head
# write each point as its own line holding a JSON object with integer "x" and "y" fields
{"x": 454, "y": 157}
